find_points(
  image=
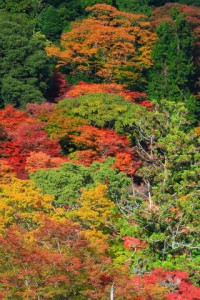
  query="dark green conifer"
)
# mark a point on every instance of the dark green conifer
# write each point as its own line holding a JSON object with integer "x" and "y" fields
{"x": 171, "y": 74}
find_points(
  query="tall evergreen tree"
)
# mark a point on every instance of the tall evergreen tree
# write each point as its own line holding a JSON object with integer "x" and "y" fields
{"x": 25, "y": 69}
{"x": 134, "y": 6}
{"x": 171, "y": 74}
{"x": 50, "y": 23}
{"x": 172, "y": 54}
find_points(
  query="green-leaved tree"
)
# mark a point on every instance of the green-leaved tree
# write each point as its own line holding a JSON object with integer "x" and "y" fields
{"x": 25, "y": 69}
{"x": 171, "y": 76}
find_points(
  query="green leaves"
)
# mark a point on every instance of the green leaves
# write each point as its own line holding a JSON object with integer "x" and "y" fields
{"x": 103, "y": 110}
{"x": 66, "y": 183}
{"x": 171, "y": 75}
{"x": 167, "y": 218}
{"x": 50, "y": 23}
{"x": 25, "y": 69}
{"x": 142, "y": 7}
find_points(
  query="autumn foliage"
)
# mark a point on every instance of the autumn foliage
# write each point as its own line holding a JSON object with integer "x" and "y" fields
{"x": 97, "y": 144}
{"x": 56, "y": 260}
{"x": 94, "y": 47}
{"x": 21, "y": 136}
{"x": 57, "y": 88}
{"x": 41, "y": 160}
{"x": 98, "y": 185}
{"x": 83, "y": 88}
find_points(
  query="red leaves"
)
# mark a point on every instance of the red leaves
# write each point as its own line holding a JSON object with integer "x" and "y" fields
{"x": 177, "y": 283}
{"x": 186, "y": 291}
{"x": 28, "y": 148}
{"x": 97, "y": 144}
{"x": 58, "y": 87}
{"x": 56, "y": 259}
{"x": 33, "y": 137}
{"x": 83, "y": 88}
{"x": 134, "y": 243}
{"x": 57, "y": 278}
{"x": 22, "y": 136}
{"x": 11, "y": 118}
{"x": 126, "y": 163}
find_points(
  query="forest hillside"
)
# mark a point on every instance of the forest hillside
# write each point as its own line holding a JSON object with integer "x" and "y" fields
{"x": 99, "y": 149}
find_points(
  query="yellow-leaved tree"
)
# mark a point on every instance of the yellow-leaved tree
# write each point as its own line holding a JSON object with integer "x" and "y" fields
{"x": 94, "y": 213}
{"x": 23, "y": 204}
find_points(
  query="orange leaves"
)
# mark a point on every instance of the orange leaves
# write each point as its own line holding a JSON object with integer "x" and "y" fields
{"x": 40, "y": 160}
{"x": 96, "y": 144}
{"x": 83, "y": 88}
{"x": 95, "y": 47}
{"x": 197, "y": 130}
{"x": 6, "y": 172}
{"x": 126, "y": 163}
{"x": 101, "y": 11}
{"x": 103, "y": 141}
{"x": 52, "y": 51}
{"x": 107, "y": 13}
{"x": 85, "y": 157}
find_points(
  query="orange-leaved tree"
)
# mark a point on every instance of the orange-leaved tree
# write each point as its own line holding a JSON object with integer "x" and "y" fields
{"x": 54, "y": 261}
{"x": 110, "y": 45}
{"x": 41, "y": 160}
{"x": 96, "y": 144}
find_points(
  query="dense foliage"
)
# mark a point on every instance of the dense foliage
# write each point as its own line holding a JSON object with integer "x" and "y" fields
{"x": 94, "y": 48}
{"x": 25, "y": 69}
{"x": 99, "y": 150}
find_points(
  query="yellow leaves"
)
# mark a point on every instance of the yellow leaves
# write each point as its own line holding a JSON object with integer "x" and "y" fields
{"x": 22, "y": 203}
{"x": 6, "y": 172}
{"x": 95, "y": 209}
{"x": 184, "y": 198}
{"x": 129, "y": 75}
{"x": 29, "y": 239}
{"x": 96, "y": 238}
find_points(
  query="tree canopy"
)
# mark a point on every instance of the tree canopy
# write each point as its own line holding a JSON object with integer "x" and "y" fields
{"x": 99, "y": 150}
{"x": 25, "y": 69}
{"x": 93, "y": 48}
